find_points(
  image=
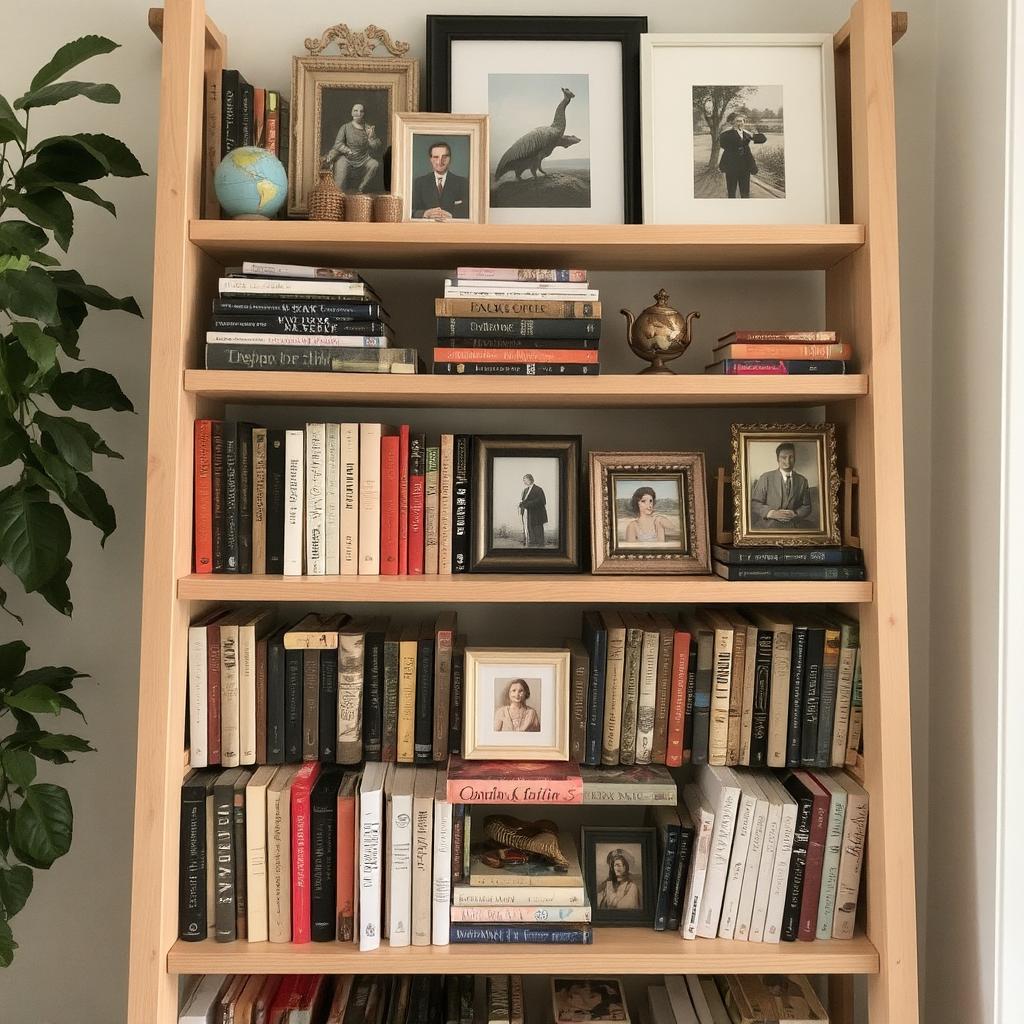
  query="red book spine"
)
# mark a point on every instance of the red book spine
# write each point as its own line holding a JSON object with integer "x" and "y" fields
{"x": 204, "y": 496}
{"x": 213, "y": 694}
{"x": 677, "y": 702}
{"x": 389, "y": 491}
{"x": 815, "y": 860}
{"x": 794, "y": 350}
{"x": 301, "y": 876}
{"x": 417, "y": 499}
{"x": 403, "y": 499}
{"x": 346, "y": 870}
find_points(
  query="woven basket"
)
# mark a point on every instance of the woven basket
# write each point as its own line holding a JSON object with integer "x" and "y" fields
{"x": 387, "y": 209}
{"x": 359, "y": 208}
{"x": 326, "y": 201}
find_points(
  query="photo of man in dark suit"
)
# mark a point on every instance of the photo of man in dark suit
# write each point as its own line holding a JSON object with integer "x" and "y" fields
{"x": 781, "y": 498}
{"x": 440, "y": 194}
{"x": 533, "y": 508}
{"x": 737, "y": 162}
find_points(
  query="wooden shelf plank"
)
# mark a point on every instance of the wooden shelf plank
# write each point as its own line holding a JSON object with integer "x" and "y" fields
{"x": 614, "y": 950}
{"x": 595, "y": 246}
{"x": 612, "y": 391}
{"x": 482, "y": 588}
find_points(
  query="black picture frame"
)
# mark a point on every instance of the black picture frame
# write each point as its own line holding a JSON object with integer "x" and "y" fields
{"x": 566, "y": 556}
{"x": 646, "y": 838}
{"x": 443, "y": 29}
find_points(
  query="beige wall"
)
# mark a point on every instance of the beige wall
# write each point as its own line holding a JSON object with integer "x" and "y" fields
{"x": 76, "y": 925}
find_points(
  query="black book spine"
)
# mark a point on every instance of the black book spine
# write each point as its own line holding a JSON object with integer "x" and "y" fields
{"x": 762, "y": 693}
{"x": 691, "y": 687}
{"x": 458, "y": 695}
{"x": 423, "y": 735}
{"x": 812, "y": 696}
{"x": 323, "y": 892}
{"x": 595, "y": 639}
{"x": 231, "y": 105}
{"x": 373, "y": 695}
{"x": 192, "y": 923}
{"x": 798, "y": 861}
{"x": 328, "y": 717}
{"x": 669, "y": 856}
{"x": 702, "y": 696}
{"x": 829, "y": 686}
{"x": 230, "y": 496}
{"x": 224, "y": 877}
{"x": 275, "y": 502}
{"x": 679, "y": 878}
{"x": 505, "y": 369}
{"x": 512, "y": 331}
{"x": 246, "y": 134}
{"x": 267, "y": 308}
{"x": 787, "y": 556}
{"x": 783, "y": 573}
{"x": 275, "y": 700}
{"x": 245, "y": 497}
{"x": 389, "y": 700}
{"x": 241, "y": 862}
{"x": 462, "y": 500}
{"x": 292, "y": 707}
{"x": 266, "y": 323}
{"x": 797, "y": 670}
{"x": 217, "y": 489}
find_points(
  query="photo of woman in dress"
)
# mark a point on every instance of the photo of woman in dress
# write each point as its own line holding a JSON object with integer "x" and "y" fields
{"x": 621, "y": 890}
{"x": 514, "y": 714}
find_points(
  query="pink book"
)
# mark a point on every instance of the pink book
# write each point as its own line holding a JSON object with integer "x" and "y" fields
{"x": 514, "y": 782}
{"x": 302, "y": 785}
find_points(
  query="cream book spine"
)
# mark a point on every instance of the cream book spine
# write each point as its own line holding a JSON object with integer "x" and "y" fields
{"x": 371, "y": 791}
{"x": 704, "y": 823}
{"x": 749, "y": 681}
{"x": 349, "y": 499}
{"x": 431, "y": 510}
{"x": 780, "y": 872}
{"x": 294, "y": 493}
{"x": 279, "y": 854}
{"x": 614, "y": 672}
{"x": 198, "y": 698}
{"x": 778, "y": 701}
{"x": 441, "y": 890}
{"x": 256, "y": 852}
{"x": 851, "y": 858}
{"x": 445, "y": 485}
{"x": 679, "y": 999}
{"x": 369, "y": 498}
{"x": 553, "y": 896}
{"x": 752, "y": 865}
{"x": 332, "y": 499}
{"x": 737, "y": 694}
{"x": 719, "y": 786}
{"x": 838, "y": 799}
{"x": 259, "y": 501}
{"x": 648, "y": 697}
{"x": 351, "y": 647}
{"x": 247, "y": 631}
{"x": 316, "y": 499}
{"x": 406, "y": 739}
{"x": 229, "y": 710}
{"x": 400, "y": 819}
{"x": 422, "y": 847}
{"x": 737, "y": 864}
{"x": 718, "y": 735}
{"x": 762, "y": 894}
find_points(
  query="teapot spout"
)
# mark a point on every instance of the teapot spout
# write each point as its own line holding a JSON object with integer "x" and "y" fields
{"x": 690, "y": 317}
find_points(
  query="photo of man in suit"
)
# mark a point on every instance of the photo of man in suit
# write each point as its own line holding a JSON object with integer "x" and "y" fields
{"x": 737, "y": 162}
{"x": 533, "y": 509}
{"x": 781, "y": 498}
{"x": 440, "y": 194}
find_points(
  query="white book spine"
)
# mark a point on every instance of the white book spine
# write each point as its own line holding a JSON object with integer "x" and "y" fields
{"x": 369, "y": 499}
{"x": 751, "y": 869}
{"x": 726, "y": 808}
{"x": 229, "y": 720}
{"x": 778, "y": 703}
{"x": 526, "y": 896}
{"x": 830, "y": 865}
{"x": 844, "y": 692}
{"x": 259, "y": 501}
{"x": 647, "y": 698}
{"x": 294, "y": 492}
{"x": 461, "y": 292}
{"x": 515, "y": 915}
{"x": 316, "y": 499}
{"x": 718, "y": 737}
{"x": 446, "y": 477}
{"x": 441, "y": 892}
{"x": 780, "y": 874}
{"x": 400, "y": 871}
{"x": 370, "y": 845}
{"x": 749, "y": 682}
{"x": 197, "y": 697}
{"x": 247, "y": 694}
{"x": 256, "y": 853}
{"x": 279, "y": 865}
{"x": 772, "y": 826}
{"x": 737, "y": 864}
{"x": 422, "y": 875}
{"x": 850, "y": 860}
{"x": 273, "y": 286}
{"x": 704, "y": 823}
{"x": 332, "y": 487}
{"x": 348, "y": 525}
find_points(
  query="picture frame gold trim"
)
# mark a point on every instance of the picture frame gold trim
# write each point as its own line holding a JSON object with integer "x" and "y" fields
{"x": 605, "y": 560}
{"x": 310, "y": 75}
{"x": 558, "y": 659}
{"x": 405, "y": 125}
{"x": 828, "y": 468}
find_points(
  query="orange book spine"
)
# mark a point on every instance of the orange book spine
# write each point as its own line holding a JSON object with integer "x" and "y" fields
{"x": 389, "y": 505}
{"x": 803, "y": 350}
{"x": 203, "y": 496}
{"x": 677, "y": 702}
{"x": 346, "y": 873}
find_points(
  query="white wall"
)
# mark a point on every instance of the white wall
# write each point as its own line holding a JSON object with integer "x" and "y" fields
{"x": 77, "y": 921}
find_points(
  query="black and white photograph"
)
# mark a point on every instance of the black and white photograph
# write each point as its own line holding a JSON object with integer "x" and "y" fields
{"x": 785, "y": 485}
{"x": 649, "y": 513}
{"x": 738, "y": 142}
{"x": 619, "y": 866}
{"x": 588, "y": 1000}
{"x": 540, "y": 140}
{"x": 525, "y": 502}
{"x": 513, "y": 711}
{"x": 354, "y": 134}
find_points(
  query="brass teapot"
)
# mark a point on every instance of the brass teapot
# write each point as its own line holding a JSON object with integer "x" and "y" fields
{"x": 659, "y": 333}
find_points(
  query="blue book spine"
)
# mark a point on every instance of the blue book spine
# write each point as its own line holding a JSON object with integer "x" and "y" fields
{"x": 581, "y": 935}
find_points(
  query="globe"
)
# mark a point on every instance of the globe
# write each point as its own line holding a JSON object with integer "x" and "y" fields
{"x": 251, "y": 182}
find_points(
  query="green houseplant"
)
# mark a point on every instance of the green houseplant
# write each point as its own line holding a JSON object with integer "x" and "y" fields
{"x": 46, "y": 457}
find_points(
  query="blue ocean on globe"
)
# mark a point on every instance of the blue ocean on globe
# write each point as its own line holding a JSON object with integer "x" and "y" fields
{"x": 251, "y": 182}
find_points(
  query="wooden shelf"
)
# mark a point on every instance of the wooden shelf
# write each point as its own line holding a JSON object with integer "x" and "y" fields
{"x": 594, "y": 246}
{"x": 473, "y": 588}
{"x": 612, "y": 391}
{"x": 614, "y": 951}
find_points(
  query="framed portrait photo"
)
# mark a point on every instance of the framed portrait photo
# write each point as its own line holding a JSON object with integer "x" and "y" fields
{"x": 785, "y": 483}
{"x": 739, "y": 117}
{"x": 439, "y": 166}
{"x": 516, "y": 704}
{"x": 563, "y": 97}
{"x": 526, "y": 504}
{"x": 620, "y": 873}
{"x": 341, "y": 115}
{"x": 587, "y": 1000}
{"x": 649, "y": 513}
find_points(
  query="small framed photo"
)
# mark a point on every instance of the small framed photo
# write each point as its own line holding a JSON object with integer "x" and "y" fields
{"x": 588, "y": 1000}
{"x": 620, "y": 873}
{"x": 785, "y": 484}
{"x": 649, "y": 513}
{"x": 341, "y": 114}
{"x": 440, "y": 166}
{"x": 516, "y": 705}
{"x": 728, "y": 117}
{"x": 526, "y": 504}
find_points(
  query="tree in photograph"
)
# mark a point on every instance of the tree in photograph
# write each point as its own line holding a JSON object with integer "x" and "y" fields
{"x": 711, "y": 104}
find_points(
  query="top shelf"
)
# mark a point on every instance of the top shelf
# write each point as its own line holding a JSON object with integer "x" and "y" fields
{"x": 593, "y": 246}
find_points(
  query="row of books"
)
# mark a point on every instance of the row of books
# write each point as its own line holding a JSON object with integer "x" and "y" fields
{"x": 774, "y": 353}
{"x": 734, "y": 999}
{"x": 510, "y": 321}
{"x": 760, "y": 687}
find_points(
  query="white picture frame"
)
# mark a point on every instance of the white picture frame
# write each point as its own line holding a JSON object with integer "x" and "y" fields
{"x": 793, "y": 72}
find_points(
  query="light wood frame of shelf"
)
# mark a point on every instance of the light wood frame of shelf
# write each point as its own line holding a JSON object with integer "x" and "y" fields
{"x": 860, "y": 260}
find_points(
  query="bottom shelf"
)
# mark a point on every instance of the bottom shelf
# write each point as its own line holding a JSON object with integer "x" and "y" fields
{"x": 614, "y": 951}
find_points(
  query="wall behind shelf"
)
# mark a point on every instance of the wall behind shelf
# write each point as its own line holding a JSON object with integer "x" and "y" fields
{"x": 78, "y": 916}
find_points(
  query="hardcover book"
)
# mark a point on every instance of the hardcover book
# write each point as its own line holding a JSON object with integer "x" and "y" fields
{"x": 514, "y": 782}
{"x": 628, "y": 784}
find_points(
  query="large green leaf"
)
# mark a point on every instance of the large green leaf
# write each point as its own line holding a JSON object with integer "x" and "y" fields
{"x": 42, "y": 825}
{"x": 57, "y": 475}
{"x": 118, "y": 158}
{"x": 49, "y": 208}
{"x": 29, "y": 293}
{"x": 58, "y": 92}
{"x": 55, "y": 591}
{"x": 69, "y": 440}
{"x": 89, "y": 389}
{"x": 7, "y": 944}
{"x": 86, "y": 194}
{"x": 36, "y": 700}
{"x": 11, "y": 129}
{"x": 89, "y": 501}
{"x": 64, "y": 741}
{"x": 56, "y": 677}
{"x": 34, "y": 535}
{"x": 69, "y": 56}
{"x": 19, "y": 766}
{"x": 71, "y": 281}
{"x": 21, "y": 237}
{"x": 15, "y": 888}
{"x": 40, "y": 346}
{"x": 13, "y": 439}
{"x": 12, "y": 661}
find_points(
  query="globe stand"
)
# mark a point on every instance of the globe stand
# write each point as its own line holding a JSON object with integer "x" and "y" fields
{"x": 251, "y": 216}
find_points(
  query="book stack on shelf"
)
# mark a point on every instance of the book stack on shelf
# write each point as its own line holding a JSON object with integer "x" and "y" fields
{"x": 779, "y": 563}
{"x": 274, "y": 316}
{"x": 773, "y": 353}
{"x": 734, "y": 999}
{"x": 509, "y": 321}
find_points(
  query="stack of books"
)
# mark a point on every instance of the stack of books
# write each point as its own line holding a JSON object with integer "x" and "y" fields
{"x": 495, "y": 320}
{"x": 756, "y": 353}
{"x": 277, "y": 316}
{"x": 779, "y": 564}
{"x": 735, "y": 999}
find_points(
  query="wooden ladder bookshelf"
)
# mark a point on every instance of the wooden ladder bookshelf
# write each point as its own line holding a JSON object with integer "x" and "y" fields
{"x": 859, "y": 259}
